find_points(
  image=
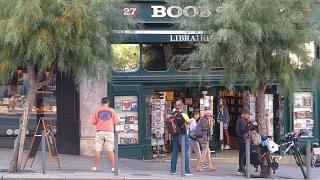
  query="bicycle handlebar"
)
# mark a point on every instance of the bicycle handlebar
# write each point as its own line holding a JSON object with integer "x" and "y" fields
{"x": 293, "y": 136}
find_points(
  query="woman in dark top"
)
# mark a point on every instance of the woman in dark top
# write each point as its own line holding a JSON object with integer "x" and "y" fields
{"x": 205, "y": 123}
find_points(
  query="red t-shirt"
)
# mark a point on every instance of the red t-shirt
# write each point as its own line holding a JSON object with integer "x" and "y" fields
{"x": 104, "y": 119}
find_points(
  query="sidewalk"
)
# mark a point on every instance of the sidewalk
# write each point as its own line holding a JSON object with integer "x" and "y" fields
{"x": 79, "y": 167}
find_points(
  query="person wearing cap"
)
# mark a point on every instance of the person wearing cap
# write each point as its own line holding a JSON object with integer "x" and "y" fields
{"x": 205, "y": 123}
{"x": 242, "y": 127}
{"x": 176, "y": 139}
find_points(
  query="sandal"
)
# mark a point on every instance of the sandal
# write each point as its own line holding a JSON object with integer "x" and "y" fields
{"x": 212, "y": 168}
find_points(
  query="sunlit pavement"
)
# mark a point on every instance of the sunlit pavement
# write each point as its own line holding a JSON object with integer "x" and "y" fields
{"x": 79, "y": 167}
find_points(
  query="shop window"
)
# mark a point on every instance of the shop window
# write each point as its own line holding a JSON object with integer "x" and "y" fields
{"x": 159, "y": 56}
{"x": 13, "y": 95}
{"x": 126, "y": 57}
{"x": 303, "y": 119}
{"x": 127, "y": 109}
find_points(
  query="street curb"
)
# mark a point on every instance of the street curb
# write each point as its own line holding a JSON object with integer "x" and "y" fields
{"x": 101, "y": 176}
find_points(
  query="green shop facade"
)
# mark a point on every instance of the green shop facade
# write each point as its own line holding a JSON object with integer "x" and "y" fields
{"x": 150, "y": 75}
{"x": 144, "y": 95}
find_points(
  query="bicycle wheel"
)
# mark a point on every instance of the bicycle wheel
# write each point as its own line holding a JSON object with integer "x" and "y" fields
{"x": 299, "y": 161}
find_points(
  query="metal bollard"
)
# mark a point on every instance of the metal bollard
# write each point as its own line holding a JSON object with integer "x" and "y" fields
{"x": 247, "y": 158}
{"x": 308, "y": 154}
{"x": 183, "y": 155}
{"x": 43, "y": 153}
{"x": 116, "y": 154}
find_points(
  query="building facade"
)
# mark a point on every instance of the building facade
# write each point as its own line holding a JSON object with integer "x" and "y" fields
{"x": 150, "y": 75}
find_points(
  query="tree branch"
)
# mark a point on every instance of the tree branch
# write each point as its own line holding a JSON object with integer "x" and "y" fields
{"x": 40, "y": 83}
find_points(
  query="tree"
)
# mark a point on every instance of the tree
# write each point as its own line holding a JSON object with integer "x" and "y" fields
{"x": 255, "y": 40}
{"x": 126, "y": 57}
{"x": 69, "y": 36}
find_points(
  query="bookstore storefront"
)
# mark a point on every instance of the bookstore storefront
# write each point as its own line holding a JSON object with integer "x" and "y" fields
{"x": 144, "y": 89}
{"x": 150, "y": 74}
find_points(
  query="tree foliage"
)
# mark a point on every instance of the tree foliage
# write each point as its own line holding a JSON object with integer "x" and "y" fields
{"x": 69, "y": 36}
{"x": 255, "y": 42}
{"x": 126, "y": 57}
{"x": 253, "y": 39}
{"x": 72, "y": 35}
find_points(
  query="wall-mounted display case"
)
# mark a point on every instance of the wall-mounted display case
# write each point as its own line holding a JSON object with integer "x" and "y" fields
{"x": 303, "y": 115}
{"x": 127, "y": 109}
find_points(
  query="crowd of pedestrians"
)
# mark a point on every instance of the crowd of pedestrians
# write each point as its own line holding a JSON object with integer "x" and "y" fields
{"x": 197, "y": 132}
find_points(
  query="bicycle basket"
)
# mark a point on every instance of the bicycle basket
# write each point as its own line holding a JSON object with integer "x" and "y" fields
{"x": 272, "y": 146}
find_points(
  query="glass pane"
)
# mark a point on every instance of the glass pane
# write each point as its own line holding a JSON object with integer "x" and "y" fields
{"x": 303, "y": 119}
{"x": 127, "y": 109}
{"x": 45, "y": 105}
{"x": 159, "y": 56}
{"x": 126, "y": 57}
{"x": 13, "y": 95}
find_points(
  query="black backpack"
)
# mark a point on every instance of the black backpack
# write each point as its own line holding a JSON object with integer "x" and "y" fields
{"x": 175, "y": 122}
{"x": 255, "y": 155}
{"x": 180, "y": 122}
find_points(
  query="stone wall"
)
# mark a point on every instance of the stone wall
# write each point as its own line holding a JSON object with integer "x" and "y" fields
{"x": 91, "y": 92}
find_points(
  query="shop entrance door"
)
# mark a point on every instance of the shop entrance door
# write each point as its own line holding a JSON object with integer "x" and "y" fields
{"x": 68, "y": 121}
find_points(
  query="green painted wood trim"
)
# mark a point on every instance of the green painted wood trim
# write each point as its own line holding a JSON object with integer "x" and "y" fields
{"x": 119, "y": 88}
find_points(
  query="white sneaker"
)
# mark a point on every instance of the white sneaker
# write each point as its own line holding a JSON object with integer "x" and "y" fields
{"x": 94, "y": 169}
{"x": 173, "y": 173}
{"x": 188, "y": 174}
{"x": 222, "y": 147}
{"x": 227, "y": 147}
{"x": 112, "y": 170}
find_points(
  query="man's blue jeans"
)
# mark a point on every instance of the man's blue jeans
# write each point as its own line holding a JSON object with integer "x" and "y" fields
{"x": 175, "y": 151}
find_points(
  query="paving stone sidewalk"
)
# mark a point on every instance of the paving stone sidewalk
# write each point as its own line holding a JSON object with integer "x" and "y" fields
{"x": 79, "y": 167}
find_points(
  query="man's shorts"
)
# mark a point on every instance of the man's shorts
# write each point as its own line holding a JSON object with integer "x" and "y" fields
{"x": 106, "y": 139}
{"x": 225, "y": 125}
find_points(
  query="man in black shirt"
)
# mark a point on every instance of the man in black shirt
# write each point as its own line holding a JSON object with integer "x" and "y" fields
{"x": 242, "y": 127}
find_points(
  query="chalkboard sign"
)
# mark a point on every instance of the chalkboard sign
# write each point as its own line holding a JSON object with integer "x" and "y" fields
{"x": 50, "y": 137}
{"x": 45, "y": 125}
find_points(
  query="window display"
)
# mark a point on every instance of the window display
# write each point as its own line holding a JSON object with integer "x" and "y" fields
{"x": 157, "y": 117}
{"x": 13, "y": 96}
{"x": 303, "y": 120}
{"x": 127, "y": 109}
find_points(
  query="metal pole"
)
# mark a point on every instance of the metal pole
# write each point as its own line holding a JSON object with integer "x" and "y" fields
{"x": 308, "y": 154}
{"x": 43, "y": 153}
{"x": 116, "y": 154}
{"x": 247, "y": 158}
{"x": 183, "y": 155}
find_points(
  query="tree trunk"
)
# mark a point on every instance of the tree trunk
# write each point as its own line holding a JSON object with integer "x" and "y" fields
{"x": 265, "y": 167}
{"x": 16, "y": 160}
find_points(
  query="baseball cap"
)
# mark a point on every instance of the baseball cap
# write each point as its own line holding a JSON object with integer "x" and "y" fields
{"x": 208, "y": 113}
{"x": 246, "y": 110}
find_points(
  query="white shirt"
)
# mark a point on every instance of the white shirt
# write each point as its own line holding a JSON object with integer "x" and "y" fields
{"x": 193, "y": 124}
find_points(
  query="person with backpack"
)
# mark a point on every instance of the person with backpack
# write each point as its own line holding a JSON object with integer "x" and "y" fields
{"x": 180, "y": 119}
{"x": 193, "y": 142}
{"x": 204, "y": 126}
{"x": 243, "y": 126}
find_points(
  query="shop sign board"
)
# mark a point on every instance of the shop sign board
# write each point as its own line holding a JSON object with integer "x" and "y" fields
{"x": 155, "y": 36}
{"x": 160, "y": 13}
{"x": 176, "y": 11}
{"x": 189, "y": 38}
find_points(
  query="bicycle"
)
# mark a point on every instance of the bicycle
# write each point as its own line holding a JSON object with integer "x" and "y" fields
{"x": 269, "y": 158}
{"x": 291, "y": 142}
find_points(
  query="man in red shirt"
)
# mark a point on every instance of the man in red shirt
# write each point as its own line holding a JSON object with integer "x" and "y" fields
{"x": 104, "y": 118}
